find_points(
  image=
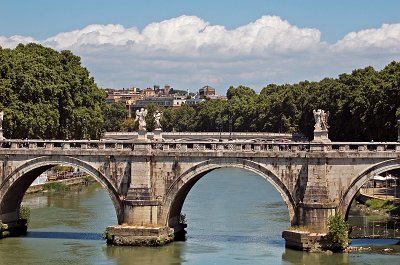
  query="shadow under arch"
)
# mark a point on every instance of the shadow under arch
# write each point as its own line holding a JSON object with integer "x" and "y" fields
{"x": 13, "y": 188}
{"x": 347, "y": 198}
{"x": 177, "y": 192}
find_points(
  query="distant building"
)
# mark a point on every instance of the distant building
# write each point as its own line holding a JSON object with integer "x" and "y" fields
{"x": 167, "y": 102}
{"x": 148, "y": 92}
{"x": 167, "y": 97}
{"x": 127, "y": 97}
{"x": 194, "y": 100}
{"x": 207, "y": 91}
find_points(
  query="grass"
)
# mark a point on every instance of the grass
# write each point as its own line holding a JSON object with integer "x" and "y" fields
{"x": 387, "y": 206}
{"x": 302, "y": 228}
{"x": 55, "y": 186}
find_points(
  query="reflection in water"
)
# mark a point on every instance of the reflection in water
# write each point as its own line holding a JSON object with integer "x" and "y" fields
{"x": 301, "y": 258}
{"x": 64, "y": 235}
{"x": 234, "y": 217}
{"x": 170, "y": 254}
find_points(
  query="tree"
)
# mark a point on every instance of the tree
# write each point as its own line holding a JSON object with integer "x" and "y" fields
{"x": 114, "y": 115}
{"x": 338, "y": 235}
{"x": 185, "y": 119}
{"x": 48, "y": 94}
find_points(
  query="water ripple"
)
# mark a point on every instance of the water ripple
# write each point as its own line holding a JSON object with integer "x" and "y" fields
{"x": 64, "y": 235}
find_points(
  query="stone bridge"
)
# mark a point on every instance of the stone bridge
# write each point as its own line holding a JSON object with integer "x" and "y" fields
{"x": 148, "y": 181}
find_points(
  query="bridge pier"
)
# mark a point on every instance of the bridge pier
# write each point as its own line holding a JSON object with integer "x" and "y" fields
{"x": 16, "y": 228}
{"x": 311, "y": 232}
{"x": 140, "y": 226}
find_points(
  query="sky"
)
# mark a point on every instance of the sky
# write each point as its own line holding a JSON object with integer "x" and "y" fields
{"x": 189, "y": 44}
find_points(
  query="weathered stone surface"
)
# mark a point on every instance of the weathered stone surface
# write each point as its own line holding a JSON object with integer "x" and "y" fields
{"x": 123, "y": 235}
{"x": 149, "y": 181}
{"x": 306, "y": 241}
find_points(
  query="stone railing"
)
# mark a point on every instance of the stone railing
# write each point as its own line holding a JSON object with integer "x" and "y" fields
{"x": 201, "y": 146}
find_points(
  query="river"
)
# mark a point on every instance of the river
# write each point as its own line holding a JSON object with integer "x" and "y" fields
{"x": 233, "y": 216}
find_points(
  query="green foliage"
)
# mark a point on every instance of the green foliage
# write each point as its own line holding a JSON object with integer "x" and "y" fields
{"x": 182, "y": 218}
{"x": 55, "y": 186}
{"x": 129, "y": 125}
{"x": 24, "y": 213}
{"x": 363, "y": 106}
{"x": 387, "y": 206}
{"x": 338, "y": 237}
{"x": 114, "y": 115}
{"x": 48, "y": 94}
{"x": 60, "y": 168}
{"x": 89, "y": 178}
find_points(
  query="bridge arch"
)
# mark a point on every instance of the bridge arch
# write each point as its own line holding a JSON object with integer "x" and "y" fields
{"x": 179, "y": 189}
{"x": 14, "y": 186}
{"x": 345, "y": 202}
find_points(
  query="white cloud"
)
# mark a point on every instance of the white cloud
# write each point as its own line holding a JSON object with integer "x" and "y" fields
{"x": 386, "y": 37}
{"x": 188, "y": 52}
{"x": 13, "y": 41}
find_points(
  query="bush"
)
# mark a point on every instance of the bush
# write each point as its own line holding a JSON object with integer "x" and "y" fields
{"x": 182, "y": 218}
{"x": 24, "y": 213}
{"x": 338, "y": 236}
{"x": 55, "y": 186}
{"x": 385, "y": 205}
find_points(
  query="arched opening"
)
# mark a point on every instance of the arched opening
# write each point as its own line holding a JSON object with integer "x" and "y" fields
{"x": 179, "y": 191}
{"x": 17, "y": 183}
{"x": 235, "y": 212}
{"x": 371, "y": 203}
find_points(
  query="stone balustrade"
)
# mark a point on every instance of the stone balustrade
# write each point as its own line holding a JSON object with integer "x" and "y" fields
{"x": 201, "y": 146}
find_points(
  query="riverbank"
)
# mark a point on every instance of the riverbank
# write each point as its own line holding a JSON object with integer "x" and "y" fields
{"x": 67, "y": 182}
{"x": 380, "y": 246}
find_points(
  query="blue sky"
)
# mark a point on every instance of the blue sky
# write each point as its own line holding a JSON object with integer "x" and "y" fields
{"x": 322, "y": 29}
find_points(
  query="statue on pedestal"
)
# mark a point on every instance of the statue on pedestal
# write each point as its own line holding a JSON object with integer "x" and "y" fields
{"x": 1, "y": 119}
{"x": 141, "y": 115}
{"x": 321, "y": 126}
{"x": 1, "y": 124}
{"x": 157, "y": 120}
{"x": 321, "y": 120}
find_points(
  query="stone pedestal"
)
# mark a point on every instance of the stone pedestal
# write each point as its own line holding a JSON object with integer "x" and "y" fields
{"x": 157, "y": 135}
{"x": 125, "y": 235}
{"x": 321, "y": 136}
{"x": 142, "y": 135}
{"x": 305, "y": 241}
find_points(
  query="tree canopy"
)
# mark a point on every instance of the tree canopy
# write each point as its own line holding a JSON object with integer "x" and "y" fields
{"x": 48, "y": 94}
{"x": 363, "y": 106}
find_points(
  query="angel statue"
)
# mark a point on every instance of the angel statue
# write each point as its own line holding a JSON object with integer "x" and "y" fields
{"x": 1, "y": 119}
{"x": 141, "y": 115}
{"x": 157, "y": 119}
{"x": 321, "y": 119}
